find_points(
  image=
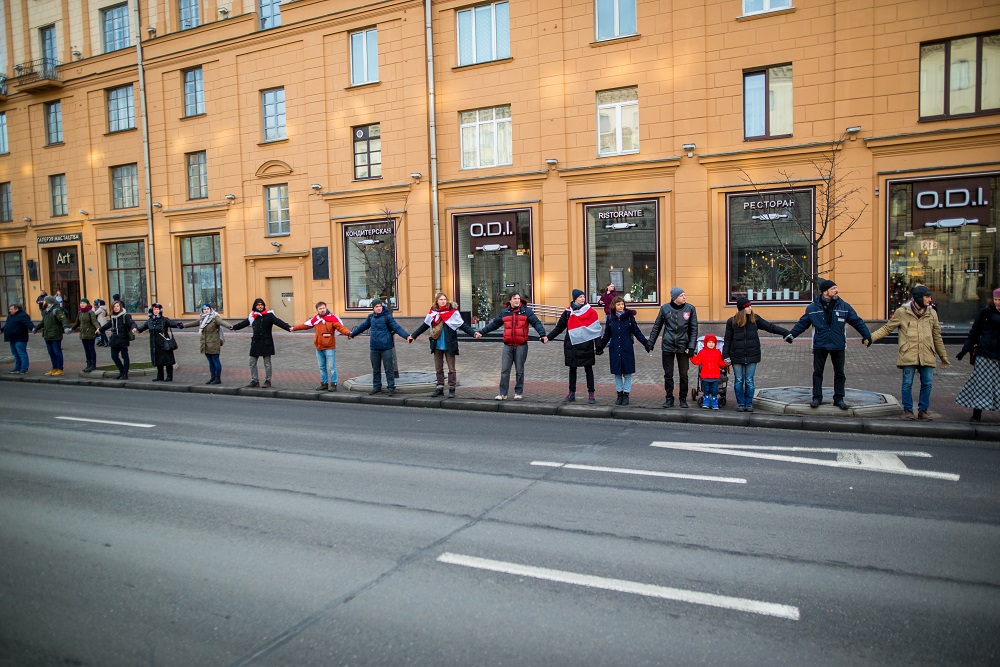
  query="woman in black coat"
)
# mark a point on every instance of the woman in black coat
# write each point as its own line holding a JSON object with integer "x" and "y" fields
{"x": 982, "y": 391}
{"x": 582, "y": 325}
{"x": 262, "y": 342}
{"x": 159, "y": 337}
{"x": 741, "y": 349}
{"x": 620, "y": 334}
{"x": 120, "y": 330}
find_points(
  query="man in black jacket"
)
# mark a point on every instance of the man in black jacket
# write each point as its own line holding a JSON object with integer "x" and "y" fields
{"x": 679, "y": 322}
{"x": 261, "y": 343}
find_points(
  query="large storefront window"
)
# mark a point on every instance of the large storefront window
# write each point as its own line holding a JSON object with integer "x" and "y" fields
{"x": 11, "y": 281}
{"x": 943, "y": 234}
{"x": 621, "y": 249}
{"x": 370, "y": 262}
{"x": 127, "y": 274}
{"x": 201, "y": 272}
{"x": 770, "y": 245}
{"x": 493, "y": 259}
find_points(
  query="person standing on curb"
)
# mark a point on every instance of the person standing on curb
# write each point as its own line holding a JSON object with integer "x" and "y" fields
{"x": 325, "y": 326}
{"x": 514, "y": 318}
{"x": 15, "y": 332}
{"x": 382, "y": 326}
{"x": 829, "y": 316}
{"x": 88, "y": 325}
{"x": 53, "y": 325}
{"x": 122, "y": 330}
{"x": 982, "y": 390}
{"x": 210, "y": 341}
{"x": 741, "y": 349}
{"x": 161, "y": 350}
{"x": 262, "y": 341}
{"x": 712, "y": 364}
{"x": 679, "y": 322}
{"x": 620, "y": 334}
{"x": 444, "y": 321}
{"x": 607, "y": 298}
{"x": 920, "y": 344}
{"x": 582, "y": 325}
{"x": 101, "y": 311}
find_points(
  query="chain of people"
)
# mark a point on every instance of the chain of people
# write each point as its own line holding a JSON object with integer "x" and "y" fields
{"x": 586, "y": 335}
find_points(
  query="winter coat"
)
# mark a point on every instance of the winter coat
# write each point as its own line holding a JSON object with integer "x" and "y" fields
{"x": 159, "y": 330}
{"x": 17, "y": 327}
{"x": 450, "y": 336}
{"x": 742, "y": 344}
{"x": 119, "y": 328}
{"x": 984, "y": 337}
{"x": 680, "y": 328}
{"x": 53, "y": 323}
{"x": 606, "y": 299}
{"x": 324, "y": 337}
{"x": 515, "y": 324}
{"x": 102, "y": 314}
{"x": 574, "y": 356}
{"x": 210, "y": 340}
{"x": 920, "y": 342}
{"x": 87, "y": 324}
{"x": 620, "y": 332}
{"x": 382, "y": 327}
{"x": 830, "y": 326}
{"x": 262, "y": 342}
{"x": 710, "y": 359}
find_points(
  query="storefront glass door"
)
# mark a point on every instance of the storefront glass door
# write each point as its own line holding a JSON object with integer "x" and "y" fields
{"x": 64, "y": 276}
{"x": 493, "y": 259}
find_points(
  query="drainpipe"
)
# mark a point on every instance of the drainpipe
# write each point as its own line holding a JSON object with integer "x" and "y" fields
{"x": 432, "y": 132}
{"x": 143, "y": 115}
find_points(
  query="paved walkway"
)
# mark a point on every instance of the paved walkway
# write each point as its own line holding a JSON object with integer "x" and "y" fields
{"x": 546, "y": 377}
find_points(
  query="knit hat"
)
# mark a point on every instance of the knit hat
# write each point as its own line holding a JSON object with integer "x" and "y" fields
{"x": 49, "y": 300}
{"x": 742, "y": 302}
{"x": 577, "y": 293}
{"x": 824, "y": 285}
{"x": 376, "y": 302}
{"x": 918, "y": 293}
{"x": 85, "y": 301}
{"x": 675, "y": 292}
{"x": 512, "y": 294}
{"x": 996, "y": 293}
{"x": 206, "y": 305}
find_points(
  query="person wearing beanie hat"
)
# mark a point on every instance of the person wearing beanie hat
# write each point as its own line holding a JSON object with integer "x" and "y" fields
{"x": 53, "y": 325}
{"x": 982, "y": 390}
{"x": 829, "y": 316}
{"x": 262, "y": 340}
{"x": 515, "y": 319}
{"x": 920, "y": 345}
{"x": 381, "y": 353}
{"x": 88, "y": 325}
{"x": 741, "y": 348}
{"x": 582, "y": 325}
{"x": 678, "y": 320}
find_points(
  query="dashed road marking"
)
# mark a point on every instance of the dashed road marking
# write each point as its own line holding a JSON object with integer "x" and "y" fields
{"x": 106, "y": 421}
{"x": 647, "y": 473}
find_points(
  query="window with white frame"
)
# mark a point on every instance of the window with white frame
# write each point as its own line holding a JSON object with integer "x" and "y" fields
{"x": 960, "y": 77}
{"x": 276, "y": 209}
{"x": 268, "y": 14}
{"x": 121, "y": 109}
{"x": 53, "y": 122}
{"x": 761, "y": 6}
{"x": 615, "y": 18}
{"x": 272, "y": 108}
{"x": 364, "y": 56}
{"x": 57, "y": 195}
{"x": 767, "y": 102}
{"x": 618, "y": 121}
{"x": 125, "y": 186}
{"x": 115, "y": 23}
{"x": 6, "y": 203}
{"x": 197, "y": 175}
{"x": 487, "y": 139}
{"x": 4, "y": 148}
{"x": 483, "y": 33}
{"x": 189, "y": 14}
{"x": 368, "y": 151}
{"x": 194, "y": 92}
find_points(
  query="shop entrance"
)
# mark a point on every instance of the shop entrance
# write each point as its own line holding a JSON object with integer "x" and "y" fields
{"x": 494, "y": 258}
{"x": 64, "y": 276}
{"x": 280, "y": 297}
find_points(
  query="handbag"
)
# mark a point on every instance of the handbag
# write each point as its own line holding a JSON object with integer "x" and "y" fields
{"x": 169, "y": 344}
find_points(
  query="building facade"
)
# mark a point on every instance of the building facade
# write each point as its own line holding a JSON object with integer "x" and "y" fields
{"x": 191, "y": 151}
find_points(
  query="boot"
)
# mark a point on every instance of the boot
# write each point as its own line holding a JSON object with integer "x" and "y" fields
{"x": 438, "y": 391}
{"x": 715, "y": 402}
{"x": 618, "y": 398}
{"x": 332, "y": 386}
{"x": 591, "y": 399}
{"x": 211, "y": 380}
{"x": 683, "y": 403}
{"x": 170, "y": 374}
{"x": 977, "y": 415}
{"x": 217, "y": 380}
{"x": 451, "y": 392}
{"x": 570, "y": 397}
{"x": 322, "y": 386}
{"x": 668, "y": 402}
{"x": 625, "y": 398}
{"x": 267, "y": 384}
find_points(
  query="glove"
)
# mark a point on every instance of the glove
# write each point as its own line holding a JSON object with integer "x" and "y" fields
{"x": 789, "y": 339}
{"x": 728, "y": 361}
{"x": 180, "y": 325}
{"x": 960, "y": 355}
{"x": 66, "y": 330}
{"x": 689, "y": 352}
{"x": 599, "y": 351}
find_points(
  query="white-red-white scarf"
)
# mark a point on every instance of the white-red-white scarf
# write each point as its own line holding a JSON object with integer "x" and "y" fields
{"x": 254, "y": 315}
{"x": 451, "y": 317}
{"x": 583, "y": 325}
{"x": 316, "y": 319}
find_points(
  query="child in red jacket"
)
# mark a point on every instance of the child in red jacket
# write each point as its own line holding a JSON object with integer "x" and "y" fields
{"x": 712, "y": 365}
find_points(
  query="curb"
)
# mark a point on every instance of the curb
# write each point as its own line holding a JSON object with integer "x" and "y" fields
{"x": 942, "y": 430}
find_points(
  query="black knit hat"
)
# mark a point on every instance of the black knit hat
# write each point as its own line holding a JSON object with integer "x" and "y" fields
{"x": 825, "y": 284}
{"x": 919, "y": 292}
{"x": 742, "y": 302}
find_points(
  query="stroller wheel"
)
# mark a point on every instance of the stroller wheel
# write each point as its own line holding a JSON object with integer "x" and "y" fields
{"x": 722, "y": 400}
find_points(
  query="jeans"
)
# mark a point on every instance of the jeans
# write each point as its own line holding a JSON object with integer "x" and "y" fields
{"x": 623, "y": 383}
{"x": 710, "y": 387}
{"x": 327, "y": 360}
{"x": 380, "y": 359}
{"x": 513, "y": 355}
{"x": 668, "y": 373}
{"x": 214, "y": 365}
{"x": 588, "y": 371}
{"x": 440, "y": 356}
{"x": 54, "y": 348}
{"x": 926, "y": 380}
{"x": 267, "y": 368}
{"x": 839, "y": 377}
{"x": 122, "y": 363}
{"x": 743, "y": 383}
{"x": 90, "y": 351}
{"x": 20, "y": 352}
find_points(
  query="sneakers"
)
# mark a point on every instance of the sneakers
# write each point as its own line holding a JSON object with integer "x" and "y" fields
{"x": 50, "y": 372}
{"x": 57, "y": 371}
{"x": 714, "y": 403}
{"x": 375, "y": 391}
{"x": 267, "y": 384}
{"x": 518, "y": 397}
{"x": 924, "y": 416}
{"x": 392, "y": 392}
{"x": 253, "y": 385}
{"x": 500, "y": 397}
{"x": 570, "y": 397}
{"x": 322, "y": 386}
{"x": 705, "y": 402}
{"x": 668, "y": 402}
{"x": 451, "y": 392}
{"x": 908, "y": 414}
{"x": 683, "y": 403}
{"x": 591, "y": 399}
{"x": 748, "y": 408}
{"x": 740, "y": 408}
{"x": 438, "y": 391}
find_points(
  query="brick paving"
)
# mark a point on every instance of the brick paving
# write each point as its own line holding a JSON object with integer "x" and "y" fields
{"x": 295, "y": 368}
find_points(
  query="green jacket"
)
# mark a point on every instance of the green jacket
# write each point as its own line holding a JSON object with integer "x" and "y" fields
{"x": 87, "y": 324}
{"x": 53, "y": 323}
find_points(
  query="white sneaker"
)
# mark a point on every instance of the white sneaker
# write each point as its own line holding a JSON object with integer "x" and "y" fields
{"x": 500, "y": 397}
{"x": 518, "y": 397}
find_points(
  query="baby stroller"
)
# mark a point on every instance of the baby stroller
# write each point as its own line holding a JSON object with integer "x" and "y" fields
{"x": 723, "y": 375}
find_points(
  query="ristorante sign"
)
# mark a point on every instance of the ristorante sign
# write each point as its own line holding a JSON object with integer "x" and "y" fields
{"x": 950, "y": 203}
{"x": 60, "y": 238}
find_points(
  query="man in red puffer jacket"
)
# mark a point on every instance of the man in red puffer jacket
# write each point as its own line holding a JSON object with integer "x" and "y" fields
{"x": 515, "y": 318}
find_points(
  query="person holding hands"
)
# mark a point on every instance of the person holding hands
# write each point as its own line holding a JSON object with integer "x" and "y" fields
{"x": 515, "y": 319}
{"x": 620, "y": 333}
{"x": 678, "y": 320}
{"x": 381, "y": 354}
{"x": 444, "y": 321}
{"x": 325, "y": 326}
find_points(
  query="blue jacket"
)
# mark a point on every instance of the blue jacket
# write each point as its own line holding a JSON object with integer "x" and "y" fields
{"x": 17, "y": 327}
{"x": 618, "y": 338}
{"x": 382, "y": 327}
{"x": 829, "y": 327}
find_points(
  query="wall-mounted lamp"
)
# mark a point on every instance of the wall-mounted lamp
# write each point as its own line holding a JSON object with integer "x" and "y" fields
{"x": 25, "y": 219}
{"x": 157, "y": 204}
{"x": 276, "y": 245}
{"x": 689, "y": 149}
{"x": 83, "y": 212}
{"x": 416, "y": 175}
{"x": 316, "y": 187}
{"x": 551, "y": 161}
{"x": 76, "y": 54}
{"x": 224, "y": 12}
{"x": 853, "y": 131}
{"x": 231, "y": 198}
{"x": 18, "y": 68}
{"x": 152, "y": 31}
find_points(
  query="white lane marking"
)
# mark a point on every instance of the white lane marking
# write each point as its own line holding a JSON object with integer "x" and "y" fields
{"x": 648, "y": 473}
{"x": 106, "y": 421}
{"x": 877, "y": 461}
{"x": 624, "y": 586}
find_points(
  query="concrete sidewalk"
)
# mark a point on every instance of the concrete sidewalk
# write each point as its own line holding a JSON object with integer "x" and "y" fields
{"x": 295, "y": 370}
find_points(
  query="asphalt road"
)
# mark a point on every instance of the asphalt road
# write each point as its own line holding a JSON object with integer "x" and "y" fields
{"x": 242, "y": 531}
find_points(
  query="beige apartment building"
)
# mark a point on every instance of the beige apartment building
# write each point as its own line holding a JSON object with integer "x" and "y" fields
{"x": 184, "y": 151}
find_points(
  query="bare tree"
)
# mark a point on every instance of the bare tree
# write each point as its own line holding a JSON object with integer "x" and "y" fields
{"x": 382, "y": 265}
